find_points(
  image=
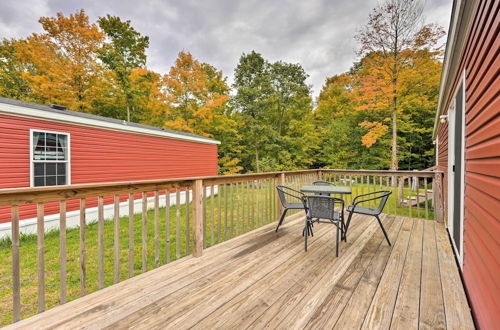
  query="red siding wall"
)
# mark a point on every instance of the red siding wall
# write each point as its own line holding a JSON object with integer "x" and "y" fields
{"x": 100, "y": 155}
{"x": 481, "y": 268}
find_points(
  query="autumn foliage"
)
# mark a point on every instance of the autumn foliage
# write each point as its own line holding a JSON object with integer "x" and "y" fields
{"x": 266, "y": 120}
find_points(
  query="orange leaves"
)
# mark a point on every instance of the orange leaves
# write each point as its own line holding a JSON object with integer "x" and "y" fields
{"x": 196, "y": 96}
{"x": 63, "y": 58}
{"x": 375, "y": 131}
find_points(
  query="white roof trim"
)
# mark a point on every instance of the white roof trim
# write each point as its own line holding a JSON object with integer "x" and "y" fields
{"x": 68, "y": 118}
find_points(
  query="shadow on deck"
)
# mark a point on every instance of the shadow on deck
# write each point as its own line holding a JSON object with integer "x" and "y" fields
{"x": 265, "y": 279}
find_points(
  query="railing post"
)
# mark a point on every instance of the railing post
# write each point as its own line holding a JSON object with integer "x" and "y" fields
{"x": 198, "y": 218}
{"x": 281, "y": 182}
{"x": 320, "y": 175}
{"x": 438, "y": 196}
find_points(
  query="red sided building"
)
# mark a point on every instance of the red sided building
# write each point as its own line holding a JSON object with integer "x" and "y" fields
{"x": 467, "y": 133}
{"x": 47, "y": 146}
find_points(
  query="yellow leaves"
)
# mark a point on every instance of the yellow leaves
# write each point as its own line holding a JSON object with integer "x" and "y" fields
{"x": 63, "y": 58}
{"x": 230, "y": 165}
{"x": 375, "y": 131}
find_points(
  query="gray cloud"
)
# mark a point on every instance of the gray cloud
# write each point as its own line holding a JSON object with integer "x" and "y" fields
{"x": 318, "y": 34}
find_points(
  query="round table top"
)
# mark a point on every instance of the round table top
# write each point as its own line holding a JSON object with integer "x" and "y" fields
{"x": 330, "y": 189}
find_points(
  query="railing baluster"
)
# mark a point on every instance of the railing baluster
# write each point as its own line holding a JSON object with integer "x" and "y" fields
{"x": 418, "y": 197}
{"x": 253, "y": 204}
{"x": 16, "y": 278}
{"x": 167, "y": 224}
{"x": 237, "y": 201}
{"x": 426, "y": 200}
{"x": 100, "y": 242}
{"x": 243, "y": 227}
{"x": 188, "y": 225}
{"x": 212, "y": 192}
{"x": 231, "y": 200}
{"x": 117, "y": 239}
{"x": 410, "y": 195}
{"x": 219, "y": 210}
{"x": 204, "y": 211}
{"x": 157, "y": 228}
{"x": 271, "y": 200}
{"x": 144, "y": 231}
{"x": 264, "y": 202}
{"x": 396, "y": 195}
{"x": 177, "y": 223}
{"x": 83, "y": 270}
{"x": 62, "y": 251}
{"x": 41, "y": 257}
{"x": 248, "y": 199}
{"x": 131, "y": 236}
{"x": 225, "y": 212}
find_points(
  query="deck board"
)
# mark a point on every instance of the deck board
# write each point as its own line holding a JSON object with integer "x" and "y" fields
{"x": 264, "y": 279}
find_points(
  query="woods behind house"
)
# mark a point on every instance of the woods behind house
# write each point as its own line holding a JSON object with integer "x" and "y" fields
{"x": 378, "y": 115}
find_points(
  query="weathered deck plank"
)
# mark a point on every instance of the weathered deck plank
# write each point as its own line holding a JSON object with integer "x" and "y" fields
{"x": 264, "y": 279}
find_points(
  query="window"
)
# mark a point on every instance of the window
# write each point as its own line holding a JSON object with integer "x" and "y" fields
{"x": 49, "y": 158}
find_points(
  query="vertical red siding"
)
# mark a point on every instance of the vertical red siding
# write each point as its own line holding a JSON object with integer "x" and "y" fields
{"x": 481, "y": 268}
{"x": 100, "y": 155}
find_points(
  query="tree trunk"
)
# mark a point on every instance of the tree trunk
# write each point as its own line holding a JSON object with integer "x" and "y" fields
{"x": 394, "y": 151}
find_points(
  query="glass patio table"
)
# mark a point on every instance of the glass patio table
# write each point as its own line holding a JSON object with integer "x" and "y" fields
{"x": 331, "y": 189}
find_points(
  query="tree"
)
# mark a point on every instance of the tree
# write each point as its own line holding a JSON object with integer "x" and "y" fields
{"x": 196, "y": 95}
{"x": 124, "y": 51}
{"x": 12, "y": 83}
{"x": 62, "y": 61}
{"x": 274, "y": 101}
{"x": 252, "y": 100}
{"x": 394, "y": 27}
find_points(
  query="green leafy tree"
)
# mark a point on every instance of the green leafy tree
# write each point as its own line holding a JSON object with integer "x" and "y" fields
{"x": 123, "y": 51}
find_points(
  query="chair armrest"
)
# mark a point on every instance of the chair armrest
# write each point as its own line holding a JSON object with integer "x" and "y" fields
{"x": 292, "y": 195}
{"x": 381, "y": 192}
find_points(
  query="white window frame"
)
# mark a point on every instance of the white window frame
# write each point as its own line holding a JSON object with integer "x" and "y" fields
{"x": 68, "y": 161}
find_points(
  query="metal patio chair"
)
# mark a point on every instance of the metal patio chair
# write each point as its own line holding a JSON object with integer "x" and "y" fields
{"x": 320, "y": 208}
{"x": 380, "y": 196}
{"x": 283, "y": 193}
{"x": 322, "y": 183}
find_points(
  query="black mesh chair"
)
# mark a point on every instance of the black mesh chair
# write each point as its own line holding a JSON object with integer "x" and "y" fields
{"x": 286, "y": 194}
{"x": 322, "y": 183}
{"x": 320, "y": 208}
{"x": 380, "y": 196}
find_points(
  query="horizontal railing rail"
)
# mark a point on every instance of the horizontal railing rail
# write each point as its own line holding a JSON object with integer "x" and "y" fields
{"x": 122, "y": 229}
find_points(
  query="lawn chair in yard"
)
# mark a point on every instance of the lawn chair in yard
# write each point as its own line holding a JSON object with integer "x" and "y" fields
{"x": 323, "y": 209}
{"x": 380, "y": 196}
{"x": 322, "y": 183}
{"x": 292, "y": 194}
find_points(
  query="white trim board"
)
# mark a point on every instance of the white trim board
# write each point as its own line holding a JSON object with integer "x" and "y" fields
{"x": 21, "y": 111}
{"x": 28, "y": 226}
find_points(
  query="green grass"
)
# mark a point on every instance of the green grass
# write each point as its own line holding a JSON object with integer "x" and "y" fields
{"x": 231, "y": 224}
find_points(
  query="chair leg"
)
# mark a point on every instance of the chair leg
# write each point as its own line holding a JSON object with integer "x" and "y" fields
{"x": 382, "y": 226}
{"x": 337, "y": 244}
{"x": 305, "y": 236}
{"x": 347, "y": 226}
{"x": 281, "y": 219}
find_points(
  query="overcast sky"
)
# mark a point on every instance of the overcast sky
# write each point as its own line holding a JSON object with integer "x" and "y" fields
{"x": 318, "y": 34}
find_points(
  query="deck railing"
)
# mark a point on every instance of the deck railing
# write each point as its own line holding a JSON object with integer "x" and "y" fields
{"x": 176, "y": 218}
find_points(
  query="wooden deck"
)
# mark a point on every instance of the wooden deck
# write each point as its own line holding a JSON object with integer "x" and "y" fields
{"x": 265, "y": 279}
